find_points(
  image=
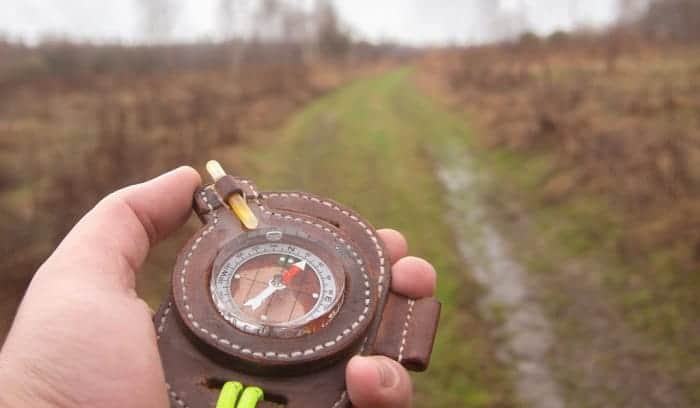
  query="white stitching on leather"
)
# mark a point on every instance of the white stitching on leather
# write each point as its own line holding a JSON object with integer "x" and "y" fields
{"x": 342, "y": 397}
{"x": 358, "y": 260}
{"x": 175, "y": 397}
{"x": 161, "y": 325}
{"x": 171, "y": 393}
{"x": 250, "y": 185}
{"x": 380, "y": 254}
{"x": 411, "y": 302}
{"x": 368, "y": 231}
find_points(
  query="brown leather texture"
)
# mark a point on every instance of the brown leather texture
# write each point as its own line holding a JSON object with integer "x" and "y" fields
{"x": 407, "y": 330}
{"x": 200, "y": 350}
{"x": 195, "y": 373}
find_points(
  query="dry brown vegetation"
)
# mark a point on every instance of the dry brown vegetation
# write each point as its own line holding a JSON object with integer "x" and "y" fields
{"x": 78, "y": 121}
{"x": 631, "y": 133}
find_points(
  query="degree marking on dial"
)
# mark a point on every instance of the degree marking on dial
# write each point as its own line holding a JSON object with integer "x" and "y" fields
{"x": 267, "y": 296}
{"x": 296, "y": 298}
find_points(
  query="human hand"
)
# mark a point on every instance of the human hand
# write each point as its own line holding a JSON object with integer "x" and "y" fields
{"x": 82, "y": 337}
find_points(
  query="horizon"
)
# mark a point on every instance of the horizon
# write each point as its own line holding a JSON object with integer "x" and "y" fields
{"x": 413, "y": 23}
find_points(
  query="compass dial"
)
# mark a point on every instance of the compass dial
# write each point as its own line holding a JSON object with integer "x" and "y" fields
{"x": 276, "y": 289}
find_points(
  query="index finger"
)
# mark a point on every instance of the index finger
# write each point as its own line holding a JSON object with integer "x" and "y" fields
{"x": 395, "y": 244}
{"x": 410, "y": 276}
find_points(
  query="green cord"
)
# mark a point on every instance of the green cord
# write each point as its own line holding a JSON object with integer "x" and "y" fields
{"x": 229, "y": 394}
{"x": 231, "y": 391}
{"x": 250, "y": 397}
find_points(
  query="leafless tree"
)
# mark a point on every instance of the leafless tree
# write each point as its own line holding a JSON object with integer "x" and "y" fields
{"x": 498, "y": 23}
{"x": 673, "y": 19}
{"x": 159, "y": 17}
{"x": 226, "y": 17}
{"x": 630, "y": 11}
{"x": 333, "y": 40}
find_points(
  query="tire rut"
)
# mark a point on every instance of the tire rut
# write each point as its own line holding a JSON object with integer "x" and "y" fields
{"x": 566, "y": 341}
{"x": 525, "y": 328}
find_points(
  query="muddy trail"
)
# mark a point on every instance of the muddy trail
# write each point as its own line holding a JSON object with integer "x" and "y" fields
{"x": 526, "y": 331}
{"x": 509, "y": 335}
{"x": 564, "y": 341}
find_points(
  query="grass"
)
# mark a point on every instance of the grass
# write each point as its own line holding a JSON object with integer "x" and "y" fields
{"x": 569, "y": 204}
{"x": 368, "y": 145}
{"x": 586, "y": 228}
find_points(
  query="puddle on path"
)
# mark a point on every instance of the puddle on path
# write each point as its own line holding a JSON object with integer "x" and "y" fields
{"x": 527, "y": 332}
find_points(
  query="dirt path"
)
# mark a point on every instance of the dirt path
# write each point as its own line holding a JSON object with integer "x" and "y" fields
{"x": 510, "y": 335}
{"x": 364, "y": 145}
{"x": 568, "y": 343}
{"x": 526, "y": 329}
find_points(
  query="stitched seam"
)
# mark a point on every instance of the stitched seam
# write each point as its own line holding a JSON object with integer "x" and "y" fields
{"x": 161, "y": 324}
{"x": 340, "y": 400}
{"x": 368, "y": 231}
{"x": 411, "y": 302}
{"x": 266, "y": 354}
{"x": 172, "y": 394}
{"x": 175, "y": 397}
{"x": 250, "y": 185}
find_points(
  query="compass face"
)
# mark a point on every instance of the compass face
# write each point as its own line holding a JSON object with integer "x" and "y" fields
{"x": 276, "y": 289}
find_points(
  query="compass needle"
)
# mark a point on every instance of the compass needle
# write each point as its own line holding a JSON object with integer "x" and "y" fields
{"x": 258, "y": 300}
{"x": 293, "y": 270}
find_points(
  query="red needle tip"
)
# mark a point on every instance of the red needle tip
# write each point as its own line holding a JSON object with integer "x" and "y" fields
{"x": 292, "y": 271}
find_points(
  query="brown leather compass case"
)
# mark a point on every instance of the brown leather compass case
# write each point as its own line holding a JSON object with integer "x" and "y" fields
{"x": 201, "y": 350}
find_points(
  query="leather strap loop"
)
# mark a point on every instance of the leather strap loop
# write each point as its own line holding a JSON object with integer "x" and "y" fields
{"x": 205, "y": 201}
{"x": 407, "y": 331}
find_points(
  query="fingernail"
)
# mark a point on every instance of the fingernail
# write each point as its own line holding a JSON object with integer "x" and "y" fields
{"x": 388, "y": 377}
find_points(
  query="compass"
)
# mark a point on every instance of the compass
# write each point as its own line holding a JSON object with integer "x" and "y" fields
{"x": 277, "y": 291}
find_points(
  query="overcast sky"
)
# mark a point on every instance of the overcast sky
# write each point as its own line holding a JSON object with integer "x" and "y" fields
{"x": 417, "y": 22}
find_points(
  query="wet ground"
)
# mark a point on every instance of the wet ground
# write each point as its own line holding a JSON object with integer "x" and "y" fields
{"x": 558, "y": 327}
{"x": 526, "y": 331}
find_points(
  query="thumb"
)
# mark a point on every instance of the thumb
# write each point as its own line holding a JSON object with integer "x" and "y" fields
{"x": 378, "y": 382}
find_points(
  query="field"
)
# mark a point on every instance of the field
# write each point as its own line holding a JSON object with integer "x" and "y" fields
{"x": 84, "y": 140}
{"x": 368, "y": 140}
{"x": 595, "y": 177}
{"x": 69, "y": 140}
{"x": 554, "y": 184}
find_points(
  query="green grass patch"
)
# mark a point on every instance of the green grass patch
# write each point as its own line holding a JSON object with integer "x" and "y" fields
{"x": 368, "y": 146}
{"x": 653, "y": 294}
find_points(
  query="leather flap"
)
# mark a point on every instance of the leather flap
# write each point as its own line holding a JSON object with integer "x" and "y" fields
{"x": 407, "y": 331}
